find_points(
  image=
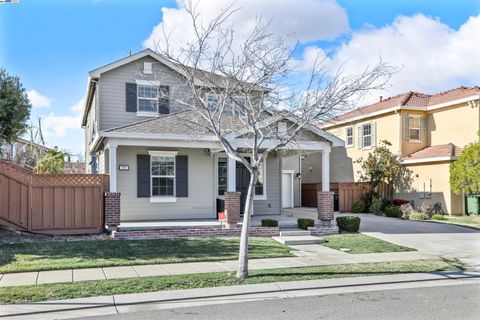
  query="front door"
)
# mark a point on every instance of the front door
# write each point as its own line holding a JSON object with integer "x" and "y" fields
{"x": 242, "y": 180}
{"x": 287, "y": 190}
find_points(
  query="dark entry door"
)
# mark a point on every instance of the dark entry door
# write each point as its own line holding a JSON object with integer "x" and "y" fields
{"x": 242, "y": 180}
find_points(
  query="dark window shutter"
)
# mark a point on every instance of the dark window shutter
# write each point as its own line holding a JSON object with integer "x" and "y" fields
{"x": 143, "y": 176}
{"x": 181, "y": 176}
{"x": 164, "y": 100}
{"x": 131, "y": 97}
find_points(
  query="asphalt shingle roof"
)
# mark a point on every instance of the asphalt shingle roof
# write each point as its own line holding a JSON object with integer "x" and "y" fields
{"x": 185, "y": 122}
{"x": 444, "y": 150}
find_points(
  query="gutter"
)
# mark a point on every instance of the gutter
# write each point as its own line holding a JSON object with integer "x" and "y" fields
{"x": 431, "y": 159}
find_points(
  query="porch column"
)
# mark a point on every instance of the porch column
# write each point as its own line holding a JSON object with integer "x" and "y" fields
{"x": 325, "y": 197}
{"x": 231, "y": 175}
{"x": 326, "y": 170}
{"x": 112, "y": 150}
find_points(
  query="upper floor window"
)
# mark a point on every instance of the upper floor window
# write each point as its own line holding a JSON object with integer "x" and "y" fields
{"x": 349, "y": 134}
{"x": 147, "y": 98}
{"x": 239, "y": 106}
{"x": 260, "y": 185}
{"x": 414, "y": 128}
{"x": 367, "y": 135}
{"x": 212, "y": 101}
{"x": 163, "y": 175}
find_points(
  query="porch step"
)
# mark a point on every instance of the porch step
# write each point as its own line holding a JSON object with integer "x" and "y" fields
{"x": 298, "y": 240}
{"x": 294, "y": 233}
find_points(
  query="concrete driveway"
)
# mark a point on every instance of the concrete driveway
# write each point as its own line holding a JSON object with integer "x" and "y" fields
{"x": 448, "y": 241}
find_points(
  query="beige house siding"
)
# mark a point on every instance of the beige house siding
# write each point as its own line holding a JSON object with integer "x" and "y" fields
{"x": 199, "y": 203}
{"x": 436, "y": 174}
{"x": 202, "y": 188}
{"x": 458, "y": 125}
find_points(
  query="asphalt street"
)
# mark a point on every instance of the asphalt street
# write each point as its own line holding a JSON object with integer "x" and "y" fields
{"x": 441, "y": 302}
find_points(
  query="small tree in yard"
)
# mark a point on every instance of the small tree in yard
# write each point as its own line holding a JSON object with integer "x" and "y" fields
{"x": 252, "y": 84}
{"x": 14, "y": 107}
{"x": 382, "y": 165}
{"x": 465, "y": 172}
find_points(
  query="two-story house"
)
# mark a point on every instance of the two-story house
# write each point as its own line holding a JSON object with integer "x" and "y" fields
{"x": 166, "y": 165}
{"x": 428, "y": 131}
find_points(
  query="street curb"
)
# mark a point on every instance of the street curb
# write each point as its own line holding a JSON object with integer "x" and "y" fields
{"x": 451, "y": 224}
{"x": 115, "y": 301}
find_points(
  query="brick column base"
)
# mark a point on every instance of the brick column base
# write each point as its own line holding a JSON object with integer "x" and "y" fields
{"x": 325, "y": 207}
{"x": 112, "y": 209}
{"x": 232, "y": 209}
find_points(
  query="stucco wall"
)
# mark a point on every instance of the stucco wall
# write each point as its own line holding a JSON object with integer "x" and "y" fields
{"x": 458, "y": 125}
{"x": 387, "y": 128}
{"x": 439, "y": 174}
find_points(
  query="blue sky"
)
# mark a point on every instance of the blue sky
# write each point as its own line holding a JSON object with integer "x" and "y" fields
{"x": 52, "y": 45}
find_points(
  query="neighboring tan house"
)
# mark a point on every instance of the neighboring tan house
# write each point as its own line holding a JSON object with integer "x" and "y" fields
{"x": 166, "y": 165}
{"x": 427, "y": 130}
{"x": 23, "y": 152}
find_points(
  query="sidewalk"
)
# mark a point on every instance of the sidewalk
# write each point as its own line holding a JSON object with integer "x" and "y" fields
{"x": 128, "y": 303}
{"x": 311, "y": 255}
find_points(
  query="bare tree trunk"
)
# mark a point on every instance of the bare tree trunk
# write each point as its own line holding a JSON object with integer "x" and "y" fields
{"x": 242, "y": 270}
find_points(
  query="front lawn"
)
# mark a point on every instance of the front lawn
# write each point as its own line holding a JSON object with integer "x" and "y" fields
{"x": 469, "y": 221}
{"x": 360, "y": 243}
{"x": 45, "y": 292}
{"x": 103, "y": 253}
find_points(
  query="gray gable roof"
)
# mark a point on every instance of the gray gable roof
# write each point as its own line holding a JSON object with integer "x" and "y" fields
{"x": 187, "y": 122}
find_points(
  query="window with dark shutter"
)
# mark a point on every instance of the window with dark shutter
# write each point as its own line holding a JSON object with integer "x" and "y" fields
{"x": 181, "y": 176}
{"x": 143, "y": 176}
{"x": 131, "y": 97}
{"x": 163, "y": 100}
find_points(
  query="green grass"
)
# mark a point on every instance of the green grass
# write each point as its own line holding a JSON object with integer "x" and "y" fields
{"x": 102, "y": 253}
{"x": 45, "y": 292}
{"x": 469, "y": 221}
{"x": 360, "y": 243}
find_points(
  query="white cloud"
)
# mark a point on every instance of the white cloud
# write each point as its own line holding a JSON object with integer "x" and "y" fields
{"x": 305, "y": 20}
{"x": 58, "y": 126}
{"x": 37, "y": 100}
{"x": 431, "y": 56}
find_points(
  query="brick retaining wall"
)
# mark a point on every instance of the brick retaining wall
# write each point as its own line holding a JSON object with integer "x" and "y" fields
{"x": 323, "y": 230}
{"x": 193, "y": 232}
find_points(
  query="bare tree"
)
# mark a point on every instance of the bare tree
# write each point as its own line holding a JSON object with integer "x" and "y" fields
{"x": 256, "y": 85}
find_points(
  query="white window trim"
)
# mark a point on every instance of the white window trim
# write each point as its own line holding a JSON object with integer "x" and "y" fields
{"x": 159, "y": 199}
{"x": 255, "y": 197}
{"x": 419, "y": 117}
{"x": 207, "y": 95}
{"x": 216, "y": 175}
{"x": 145, "y": 83}
{"x": 346, "y": 137}
{"x": 363, "y": 137}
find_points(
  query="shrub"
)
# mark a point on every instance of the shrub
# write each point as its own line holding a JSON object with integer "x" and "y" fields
{"x": 305, "y": 223}
{"x": 393, "y": 211}
{"x": 348, "y": 223}
{"x": 386, "y": 203}
{"x": 358, "y": 206}
{"x": 439, "y": 217}
{"x": 399, "y": 202}
{"x": 376, "y": 206}
{"x": 407, "y": 210}
{"x": 269, "y": 223}
{"x": 426, "y": 207}
{"x": 418, "y": 216}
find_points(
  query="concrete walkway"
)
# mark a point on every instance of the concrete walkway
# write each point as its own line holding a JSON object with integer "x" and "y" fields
{"x": 308, "y": 256}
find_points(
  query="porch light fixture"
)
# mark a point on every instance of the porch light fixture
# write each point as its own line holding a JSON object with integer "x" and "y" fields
{"x": 299, "y": 176}
{"x": 208, "y": 152}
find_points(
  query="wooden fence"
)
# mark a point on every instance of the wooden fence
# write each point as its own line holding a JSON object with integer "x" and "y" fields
{"x": 51, "y": 203}
{"x": 348, "y": 192}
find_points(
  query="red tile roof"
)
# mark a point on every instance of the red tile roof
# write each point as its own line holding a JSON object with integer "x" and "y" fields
{"x": 444, "y": 150}
{"x": 409, "y": 99}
